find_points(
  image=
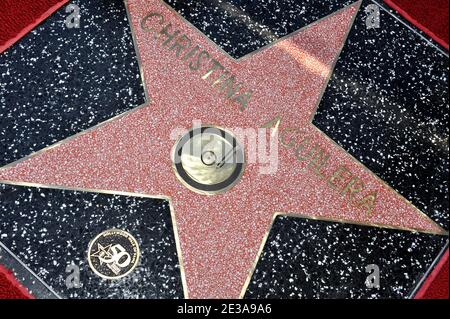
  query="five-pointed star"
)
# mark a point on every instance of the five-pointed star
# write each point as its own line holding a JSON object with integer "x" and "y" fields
{"x": 102, "y": 252}
{"x": 220, "y": 235}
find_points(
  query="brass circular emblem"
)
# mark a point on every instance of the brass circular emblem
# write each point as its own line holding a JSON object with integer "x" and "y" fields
{"x": 208, "y": 160}
{"x": 113, "y": 254}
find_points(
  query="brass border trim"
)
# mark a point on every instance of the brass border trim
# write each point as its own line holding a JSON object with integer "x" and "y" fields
{"x": 310, "y": 217}
{"x": 119, "y": 193}
{"x": 169, "y": 199}
{"x": 92, "y": 128}
{"x": 428, "y": 272}
{"x": 2, "y": 246}
{"x": 267, "y": 46}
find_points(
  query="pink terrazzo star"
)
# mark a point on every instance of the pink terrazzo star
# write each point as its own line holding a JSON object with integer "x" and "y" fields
{"x": 220, "y": 235}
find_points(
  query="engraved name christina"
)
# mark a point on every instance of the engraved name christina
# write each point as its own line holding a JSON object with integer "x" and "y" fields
{"x": 197, "y": 59}
{"x": 341, "y": 180}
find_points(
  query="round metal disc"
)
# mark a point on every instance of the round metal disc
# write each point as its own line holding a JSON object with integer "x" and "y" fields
{"x": 208, "y": 160}
{"x": 113, "y": 254}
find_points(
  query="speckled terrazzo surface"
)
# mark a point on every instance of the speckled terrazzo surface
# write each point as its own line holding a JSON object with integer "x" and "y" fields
{"x": 305, "y": 258}
{"x": 49, "y": 229}
{"x": 56, "y": 81}
{"x": 243, "y": 26}
{"x": 387, "y": 105}
{"x": 36, "y": 287}
{"x": 220, "y": 236}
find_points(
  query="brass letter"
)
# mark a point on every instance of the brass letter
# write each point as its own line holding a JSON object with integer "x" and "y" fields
{"x": 338, "y": 175}
{"x": 165, "y": 31}
{"x": 283, "y": 142}
{"x": 243, "y": 99}
{"x": 181, "y": 44}
{"x": 191, "y": 53}
{"x": 319, "y": 160}
{"x": 352, "y": 189}
{"x": 147, "y": 17}
{"x": 368, "y": 202}
{"x": 215, "y": 65}
{"x": 198, "y": 64}
{"x": 300, "y": 147}
{"x": 230, "y": 87}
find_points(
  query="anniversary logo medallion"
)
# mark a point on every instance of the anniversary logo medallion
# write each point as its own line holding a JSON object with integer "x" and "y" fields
{"x": 342, "y": 125}
{"x": 113, "y": 254}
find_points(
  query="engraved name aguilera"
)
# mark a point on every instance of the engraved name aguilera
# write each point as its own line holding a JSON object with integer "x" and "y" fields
{"x": 341, "y": 180}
